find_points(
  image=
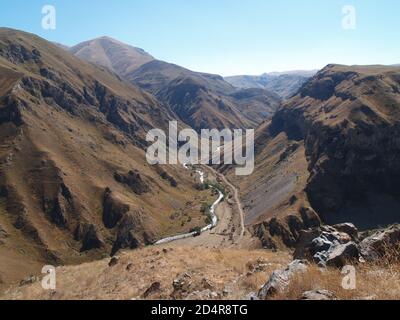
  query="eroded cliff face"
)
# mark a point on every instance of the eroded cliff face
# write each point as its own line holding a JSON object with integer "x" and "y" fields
{"x": 348, "y": 118}
{"x": 333, "y": 148}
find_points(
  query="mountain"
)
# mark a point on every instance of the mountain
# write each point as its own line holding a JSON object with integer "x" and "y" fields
{"x": 200, "y": 100}
{"x": 74, "y": 181}
{"x": 284, "y": 84}
{"x": 112, "y": 54}
{"x": 62, "y": 46}
{"x": 330, "y": 153}
{"x": 204, "y": 100}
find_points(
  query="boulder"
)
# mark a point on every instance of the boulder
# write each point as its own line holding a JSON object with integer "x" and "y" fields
{"x": 280, "y": 279}
{"x": 304, "y": 243}
{"x": 313, "y": 244}
{"x": 347, "y": 228}
{"x": 341, "y": 254}
{"x": 374, "y": 246}
{"x": 155, "y": 287}
{"x": 318, "y": 295}
{"x": 182, "y": 285}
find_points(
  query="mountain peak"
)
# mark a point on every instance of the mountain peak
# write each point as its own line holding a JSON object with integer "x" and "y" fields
{"x": 112, "y": 54}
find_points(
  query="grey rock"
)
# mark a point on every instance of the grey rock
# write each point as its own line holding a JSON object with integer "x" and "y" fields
{"x": 182, "y": 285}
{"x": 341, "y": 254}
{"x": 304, "y": 244}
{"x": 348, "y": 228}
{"x": 374, "y": 246}
{"x": 318, "y": 295}
{"x": 280, "y": 279}
{"x": 252, "y": 296}
{"x": 29, "y": 280}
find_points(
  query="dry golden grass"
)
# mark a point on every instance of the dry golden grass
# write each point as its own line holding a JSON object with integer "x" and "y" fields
{"x": 376, "y": 281}
{"x": 225, "y": 269}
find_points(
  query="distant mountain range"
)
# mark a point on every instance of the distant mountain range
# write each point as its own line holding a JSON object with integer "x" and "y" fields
{"x": 200, "y": 100}
{"x": 284, "y": 84}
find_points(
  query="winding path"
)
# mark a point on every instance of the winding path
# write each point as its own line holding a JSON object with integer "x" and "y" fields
{"x": 236, "y": 199}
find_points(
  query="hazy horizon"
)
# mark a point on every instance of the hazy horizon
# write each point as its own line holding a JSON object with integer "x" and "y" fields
{"x": 227, "y": 37}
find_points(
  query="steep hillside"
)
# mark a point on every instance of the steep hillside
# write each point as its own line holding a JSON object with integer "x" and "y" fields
{"x": 204, "y": 100}
{"x": 332, "y": 149}
{"x": 112, "y": 54}
{"x": 74, "y": 182}
{"x": 200, "y": 100}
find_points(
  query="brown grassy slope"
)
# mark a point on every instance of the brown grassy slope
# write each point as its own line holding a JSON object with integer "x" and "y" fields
{"x": 66, "y": 128}
{"x": 112, "y": 54}
{"x": 199, "y": 99}
{"x": 204, "y": 100}
{"x": 221, "y": 271}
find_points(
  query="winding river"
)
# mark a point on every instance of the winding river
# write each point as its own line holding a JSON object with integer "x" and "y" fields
{"x": 214, "y": 218}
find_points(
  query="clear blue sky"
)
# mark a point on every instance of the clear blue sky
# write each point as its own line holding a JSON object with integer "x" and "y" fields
{"x": 226, "y": 36}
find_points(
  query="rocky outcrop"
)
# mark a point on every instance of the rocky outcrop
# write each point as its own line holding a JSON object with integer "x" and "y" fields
{"x": 347, "y": 228}
{"x": 318, "y": 295}
{"x": 17, "y": 54}
{"x": 340, "y": 255}
{"x": 166, "y": 176}
{"x": 379, "y": 243}
{"x": 113, "y": 209}
{"x": 89, "y": 236}
{"x": 10, "y": 110}
{"x": 58, "y": 204}
{"x": 329, "y": 245}
{"x": 287, "y": 229}
{"x": 134, "y": 180}
{"x": 280, "y": 279}
{"x": 130, "y": 233}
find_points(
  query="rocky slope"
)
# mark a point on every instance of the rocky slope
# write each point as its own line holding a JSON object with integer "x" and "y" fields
{"x": 74, "y": 182}
{"x": 332, "y": 150}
